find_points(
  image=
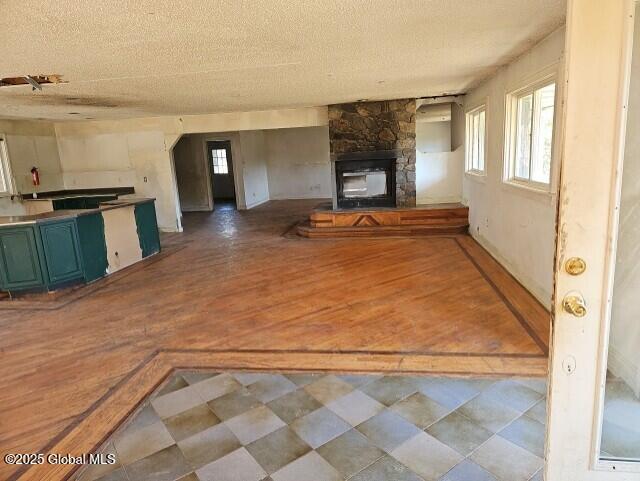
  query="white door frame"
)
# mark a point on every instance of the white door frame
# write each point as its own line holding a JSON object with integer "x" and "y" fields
{"x": 597, "y": 64}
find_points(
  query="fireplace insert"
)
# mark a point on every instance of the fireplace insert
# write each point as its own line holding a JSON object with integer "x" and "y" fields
{"x": 366, "y": 182}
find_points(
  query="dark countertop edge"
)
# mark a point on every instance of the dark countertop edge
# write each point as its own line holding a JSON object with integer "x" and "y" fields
{"x": 69, "y": 193}
{"x": 55, "y": 215}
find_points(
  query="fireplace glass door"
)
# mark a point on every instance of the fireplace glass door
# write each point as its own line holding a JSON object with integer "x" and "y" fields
{"x": 366, "y": 183}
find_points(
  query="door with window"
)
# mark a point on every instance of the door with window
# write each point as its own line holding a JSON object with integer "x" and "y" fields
{"x": 594, "y": 395}
{"x": 221, "y": 168}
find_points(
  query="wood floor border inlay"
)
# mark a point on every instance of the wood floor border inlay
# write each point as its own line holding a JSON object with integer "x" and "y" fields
{"x": 505, "y": 299}
{"x": 93, "y": 428}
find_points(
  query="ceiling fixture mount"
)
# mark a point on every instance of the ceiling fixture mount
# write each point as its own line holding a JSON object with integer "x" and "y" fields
{"x": 36, "y": 81}
{"x": 33, "y": 82}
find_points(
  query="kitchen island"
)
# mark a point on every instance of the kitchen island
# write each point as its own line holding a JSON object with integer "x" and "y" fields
{"x": 50, "y": 250}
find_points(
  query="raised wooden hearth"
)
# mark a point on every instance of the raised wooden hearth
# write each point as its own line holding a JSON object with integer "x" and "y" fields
{"x": 436, "y": 219}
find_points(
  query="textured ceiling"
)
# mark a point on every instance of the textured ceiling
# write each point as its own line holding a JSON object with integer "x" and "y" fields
{"x": 141, "y": 58}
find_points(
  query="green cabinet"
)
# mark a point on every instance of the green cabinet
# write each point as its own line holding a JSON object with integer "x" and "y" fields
{"x": 147, "y": 225}
{"x": 54, "y": 252}
{"x": 88, "y": 202}
{"x": 20, "y": 262}
{"x": 61, "y": 251}
{"x": 92, "y": 246}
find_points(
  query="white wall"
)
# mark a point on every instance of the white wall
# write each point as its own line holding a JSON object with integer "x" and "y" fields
{"x": 254, "y": 167}
{"x": 298, "y": 163}
{"x": 192, "y": 175}
{"x": 138, "y": 152}
{"x": 433, "y": 137}
{"x": 30, "y": 144}
{"x": 137, "y": 159}
{"x": 624, "y": 342}
{"x": 515, "y": 225}
{"x": 438, "y": 169}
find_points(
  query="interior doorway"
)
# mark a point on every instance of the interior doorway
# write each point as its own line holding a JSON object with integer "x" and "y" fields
{"x": 206, "y": 177}
{"x": 221, "y": 171}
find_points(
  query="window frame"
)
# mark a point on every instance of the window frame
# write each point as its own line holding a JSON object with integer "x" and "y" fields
{"x": 511, "y": 130}
{"x": 468, "y": 140}
{"x": 5, "y": 168}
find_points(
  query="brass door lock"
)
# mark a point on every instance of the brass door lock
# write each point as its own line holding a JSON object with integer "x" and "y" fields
{"x": 574, "y": 304}
{"x": 575, "y": 266}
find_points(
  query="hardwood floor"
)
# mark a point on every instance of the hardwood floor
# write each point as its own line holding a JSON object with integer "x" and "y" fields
{"x": 237, "y": 293}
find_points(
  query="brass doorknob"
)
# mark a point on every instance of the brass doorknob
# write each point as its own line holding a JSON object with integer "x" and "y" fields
{"x": 574, "y": 304}
{"x": 575, "y": 266}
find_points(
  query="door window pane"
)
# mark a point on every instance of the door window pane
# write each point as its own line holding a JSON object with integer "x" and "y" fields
{"x": 219, "y": 157}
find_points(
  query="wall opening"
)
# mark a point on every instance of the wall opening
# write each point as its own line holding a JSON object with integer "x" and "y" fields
{"x": 220, "y": 160}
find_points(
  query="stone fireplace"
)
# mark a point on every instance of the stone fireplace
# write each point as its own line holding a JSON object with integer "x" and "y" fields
{"x": 373, "y": 153}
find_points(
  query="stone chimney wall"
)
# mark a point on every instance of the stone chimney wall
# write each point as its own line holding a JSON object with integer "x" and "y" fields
{"x": 373, "y": 126}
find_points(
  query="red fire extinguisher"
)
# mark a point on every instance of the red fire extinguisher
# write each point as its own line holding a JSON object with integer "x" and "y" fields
{"x": 35, "y": 176}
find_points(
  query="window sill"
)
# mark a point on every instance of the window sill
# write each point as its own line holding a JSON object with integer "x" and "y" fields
{"x": 531, "y": 191}
{"x": 476, "y": 176}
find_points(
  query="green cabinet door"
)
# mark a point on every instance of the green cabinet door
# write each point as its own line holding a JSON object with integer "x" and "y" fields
{"x": 147, "y": 228}
{"x": 61, "y": 251}
{"x": 20, "y": 264}
{"x": 92, "y": 246}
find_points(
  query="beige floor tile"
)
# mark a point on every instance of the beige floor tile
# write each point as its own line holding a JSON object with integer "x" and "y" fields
{"x": 355, "y": 407}
{"x": 310, "y": 467}
{"x": 236, "y": 466}
{"x": 506, "y": 461}
{"x": 217, "y": 386}
{"x": 328, "y": 388}
{"x": 142, "y": 443}
{"x": 254, "y": 424}
{"x": 166, "y": 465}
{"x": 426, "y": 456}
{"x": 176, "y": 402}
{"x": 208, "y": 445}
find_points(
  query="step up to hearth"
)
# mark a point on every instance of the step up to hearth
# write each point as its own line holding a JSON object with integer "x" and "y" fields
{"x": 438, "y": 219}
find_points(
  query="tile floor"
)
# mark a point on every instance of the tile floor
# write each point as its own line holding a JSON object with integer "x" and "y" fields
{"x": 240, "y": 426}
{"x": 621, "y": 423}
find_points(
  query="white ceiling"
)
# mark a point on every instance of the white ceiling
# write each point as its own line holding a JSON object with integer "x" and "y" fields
{"x": 138, "y": 58}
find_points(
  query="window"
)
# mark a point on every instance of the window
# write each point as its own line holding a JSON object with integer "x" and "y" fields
{"x": 219, "y": 157}
{"x": 530, "y": 135}
{"x": 6, "y": 183}
{"x": 475, "y": 139}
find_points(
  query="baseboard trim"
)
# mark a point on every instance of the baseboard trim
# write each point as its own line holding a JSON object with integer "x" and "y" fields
{"x": 536, "y": 291}
{"x": 302, "y": 197}
{"x": 257, "y": 203}
{"x": 204, "y": 208}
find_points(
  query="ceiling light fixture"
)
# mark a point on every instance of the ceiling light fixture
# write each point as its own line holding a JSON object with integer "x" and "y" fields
{"x": 33, "y": 82}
